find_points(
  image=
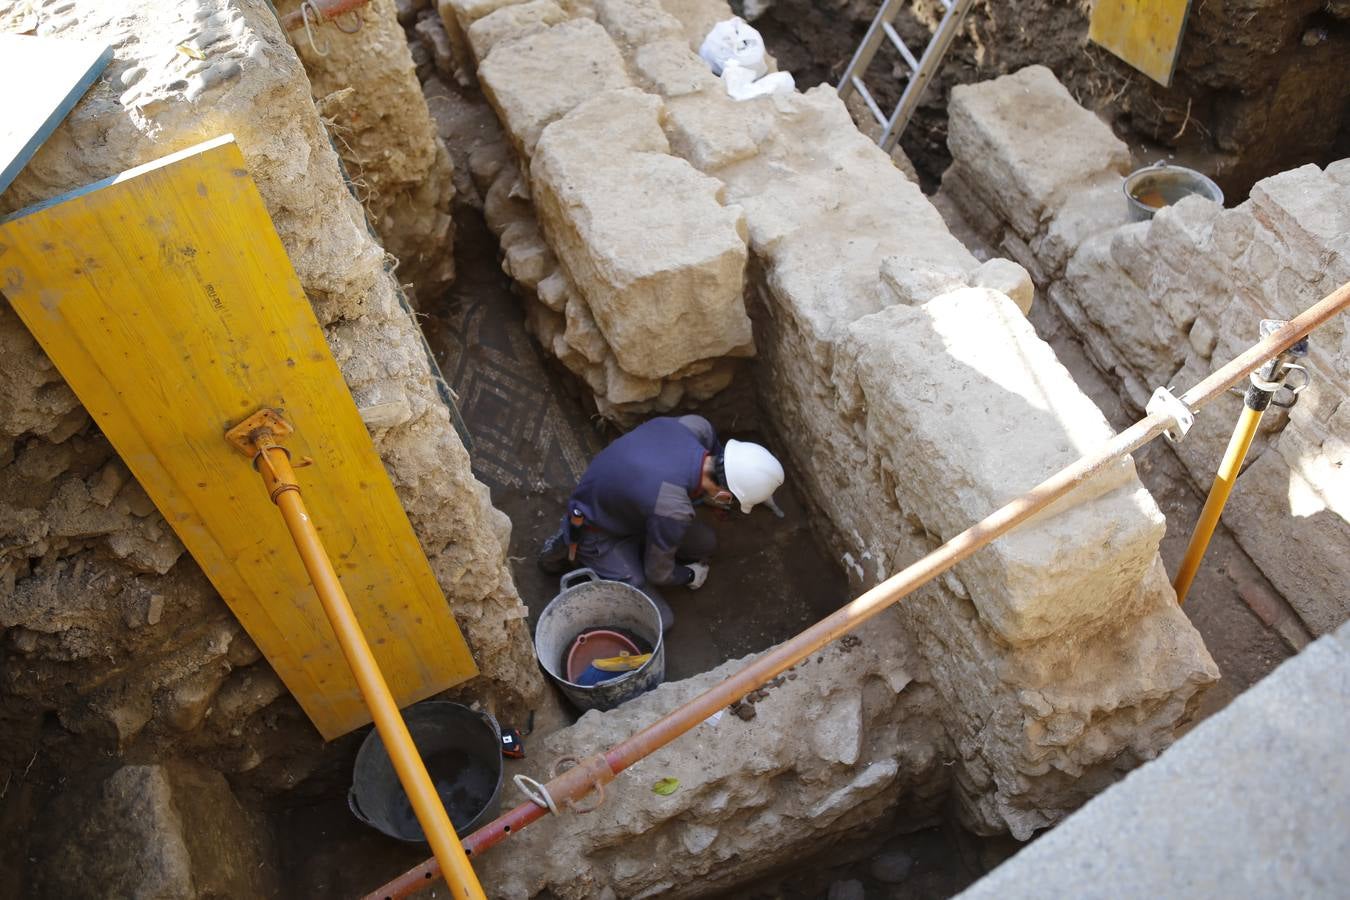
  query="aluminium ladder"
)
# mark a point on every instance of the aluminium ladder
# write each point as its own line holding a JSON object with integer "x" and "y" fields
{"x": 921, "y": 71}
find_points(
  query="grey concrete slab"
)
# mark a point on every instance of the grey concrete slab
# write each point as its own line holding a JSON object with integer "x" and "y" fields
{"x": 1255, "y": 802}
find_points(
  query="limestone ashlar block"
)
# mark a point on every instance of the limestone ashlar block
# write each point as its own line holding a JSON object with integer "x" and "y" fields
{"x": 671, "y": 69}
{"x": 1029, "y": 144}
{"x": 169, "y": 830}
{"x": 974, "y": 409}
{"x": 637, "y": 22}
{"x": 516, "y": 20}
{"x": 536, "y": 79}
{"x": 643, "y": 236}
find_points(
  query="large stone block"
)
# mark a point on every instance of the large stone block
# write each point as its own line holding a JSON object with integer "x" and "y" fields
{"x": 978, "y": 410}
{"x": 834, "y": 744}
{"x": 1030, "y": 143}
{"x": 643, "y": 235}
{"x": 537, "y": 78}
{"x": 158, "y": 831}
{"x": 516, "y": 20}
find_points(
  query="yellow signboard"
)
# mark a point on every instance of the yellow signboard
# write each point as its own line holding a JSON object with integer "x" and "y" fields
{"x": 167, "y": 301}
{"x": 1144, "y": 33}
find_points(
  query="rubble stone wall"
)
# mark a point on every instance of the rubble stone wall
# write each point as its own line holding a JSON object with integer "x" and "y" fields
{"x": 371, "y": 101}
{"x": 831, "y": 746}
{"x": 902, "y": 446}
{"x": 1164, "y": 302}
{"x": 106, "y": 622}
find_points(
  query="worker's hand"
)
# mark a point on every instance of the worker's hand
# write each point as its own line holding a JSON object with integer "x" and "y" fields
{"x": 700, "y": 570}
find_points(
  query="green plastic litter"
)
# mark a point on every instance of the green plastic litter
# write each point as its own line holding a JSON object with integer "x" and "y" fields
{"x": 666, "y": 786}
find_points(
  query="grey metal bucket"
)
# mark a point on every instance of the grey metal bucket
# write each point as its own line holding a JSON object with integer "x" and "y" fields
{"x": 588, "y": 601}
{"x": 462, "y": 750}
{"x": 1167, "y": 183}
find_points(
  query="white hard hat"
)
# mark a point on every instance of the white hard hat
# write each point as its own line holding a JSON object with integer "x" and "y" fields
{"x": 752, "y": 473}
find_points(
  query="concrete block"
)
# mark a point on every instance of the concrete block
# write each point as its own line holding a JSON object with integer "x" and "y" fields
{"x": 1255, "y": 802}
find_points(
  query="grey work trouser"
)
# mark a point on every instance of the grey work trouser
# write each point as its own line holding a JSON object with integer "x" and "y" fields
{"x": 619, "y": 558}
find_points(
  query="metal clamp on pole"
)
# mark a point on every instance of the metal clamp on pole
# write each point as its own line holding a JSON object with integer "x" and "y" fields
{"x": 1266, "y": 381}
{"x": 1165, "y": 402}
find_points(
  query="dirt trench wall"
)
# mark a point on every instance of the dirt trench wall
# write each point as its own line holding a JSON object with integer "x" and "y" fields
{"x": 366, "y": 91}
{"x": 1165, "y": 302}
{"x": 1257, "y": 88}
{"x": 109, "y": 628}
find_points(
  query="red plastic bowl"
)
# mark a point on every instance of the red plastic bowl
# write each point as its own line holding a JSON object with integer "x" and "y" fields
{"x": 598, "y": 643}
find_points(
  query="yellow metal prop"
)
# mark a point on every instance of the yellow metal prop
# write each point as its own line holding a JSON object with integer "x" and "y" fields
{"x": 167, "y": 301}
{"x": 1144, "y": 33}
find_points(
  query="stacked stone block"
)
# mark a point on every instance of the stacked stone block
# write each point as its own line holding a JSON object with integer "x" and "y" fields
{"x": 1164, "y": 302}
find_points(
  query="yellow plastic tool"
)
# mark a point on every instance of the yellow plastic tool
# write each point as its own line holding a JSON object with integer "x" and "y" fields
{"x": 167, "y": 301}
{"x": 625, "y": 662}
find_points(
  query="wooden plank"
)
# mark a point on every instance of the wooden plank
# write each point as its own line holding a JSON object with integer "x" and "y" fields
{"x": 167, "y": 301}
{"x": 41, "y": 80}
{"x": 1144, "y": 33}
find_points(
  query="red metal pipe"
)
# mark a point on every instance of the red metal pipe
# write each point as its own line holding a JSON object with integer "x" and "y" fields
{"x": 320, "y": 11}
{"x": 575, "y": 783}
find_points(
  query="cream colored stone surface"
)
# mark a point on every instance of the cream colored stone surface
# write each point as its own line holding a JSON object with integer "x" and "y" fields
{"x": 659, "y": 261}
{"x": 536, "y": 79}
{"x": 1165, "y": 302}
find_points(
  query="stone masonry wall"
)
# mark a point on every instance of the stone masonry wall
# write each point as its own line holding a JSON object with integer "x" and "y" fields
{"x": 830, "y": 747}
{"x": 917, "y": 398}
{"x": 106, "y": 623}
{"x": 631, "y": 265}
{"x": 371, "y": 101}
{"x": 1164, "y": 302}
{"x": 843, "y": 246}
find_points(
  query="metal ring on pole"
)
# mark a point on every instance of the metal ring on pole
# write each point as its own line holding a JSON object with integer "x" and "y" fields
{"x": 563, "y": 764}
{"x": 537, "y": 793}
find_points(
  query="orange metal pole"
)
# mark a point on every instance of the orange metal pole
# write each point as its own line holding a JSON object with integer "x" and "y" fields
{"x": 279, "y": 478}
{"x": 1238, "y": 446}
{"x": 602, "y": 768}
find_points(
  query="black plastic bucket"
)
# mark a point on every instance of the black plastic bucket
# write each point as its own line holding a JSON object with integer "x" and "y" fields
{"x": 462, "y": 749}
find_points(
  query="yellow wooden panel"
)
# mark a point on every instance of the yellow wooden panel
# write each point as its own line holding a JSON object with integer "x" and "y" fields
{"x": 166, "y": 299}
{"x": 1144, "y": 33}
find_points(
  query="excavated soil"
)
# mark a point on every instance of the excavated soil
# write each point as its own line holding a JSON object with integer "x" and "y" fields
{"x": 1255, "y": 92}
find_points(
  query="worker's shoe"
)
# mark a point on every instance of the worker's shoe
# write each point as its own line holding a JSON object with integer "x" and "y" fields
{"x": 552, "y": 557}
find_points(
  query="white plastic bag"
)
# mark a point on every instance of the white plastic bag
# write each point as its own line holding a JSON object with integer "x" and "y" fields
{"x": 733, "y": 40}
{"x": 741, "y": 83}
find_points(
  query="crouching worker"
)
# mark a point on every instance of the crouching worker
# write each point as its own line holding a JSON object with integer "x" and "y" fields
{"x": 631, "y": 518}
